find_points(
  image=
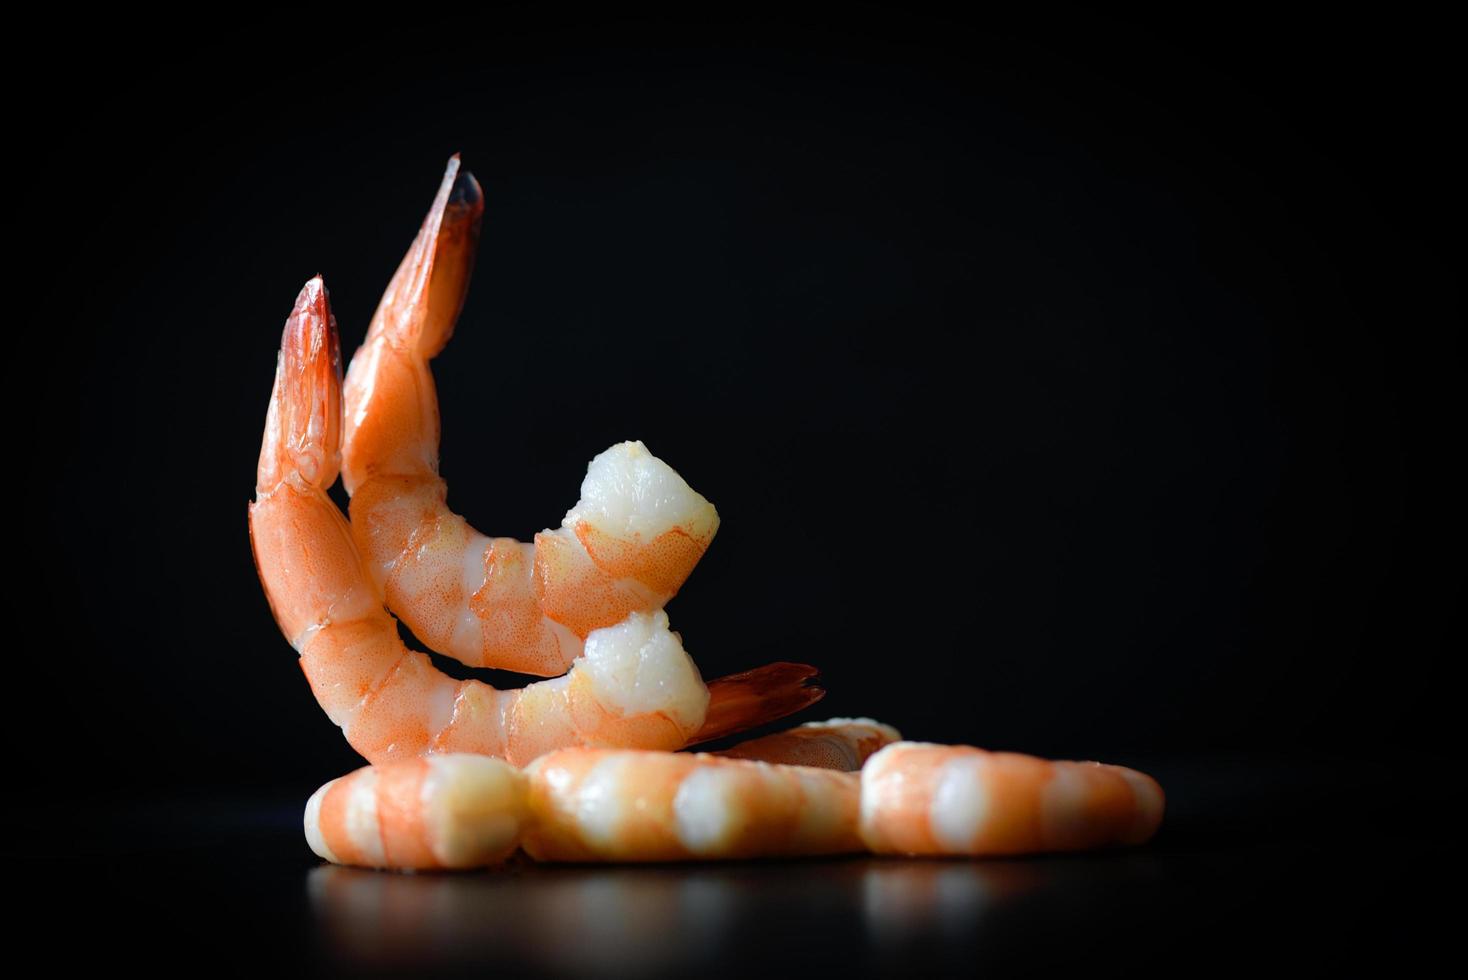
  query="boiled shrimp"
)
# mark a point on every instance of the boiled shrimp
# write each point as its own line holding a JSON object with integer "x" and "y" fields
{"x": 923, "y": 799}
{"x": 626, "y": 546}
{"x": 634, "y": 685}
{"x": 437, "y": 812}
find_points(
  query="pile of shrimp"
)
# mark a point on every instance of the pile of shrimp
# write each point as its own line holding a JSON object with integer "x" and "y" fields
{"x": 585, "y": 765}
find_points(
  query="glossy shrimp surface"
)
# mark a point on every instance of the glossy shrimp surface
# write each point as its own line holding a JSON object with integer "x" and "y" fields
{"x": 635, "y": 686}
{"x": 626, "y": 546}
{"x": 924, "y": 799}
{"x": 439, "y": 812}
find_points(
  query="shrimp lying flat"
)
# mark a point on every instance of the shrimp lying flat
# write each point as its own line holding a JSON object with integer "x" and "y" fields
{"x": 635, "y": 686}
{"x": 843, "y": 744}
{"x": 626, "y": 546}
{"x": 439, "y": 812}
{"x": 918, "y": 798}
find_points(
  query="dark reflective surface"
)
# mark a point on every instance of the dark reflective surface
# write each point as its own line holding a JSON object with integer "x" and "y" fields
{"x": 1128, "y": 342}
{"x": 662, "y": 919}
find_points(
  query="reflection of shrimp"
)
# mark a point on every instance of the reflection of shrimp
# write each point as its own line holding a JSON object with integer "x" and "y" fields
{"x": 635, "y": 686}
{"x": 583, "y": 804}
{"x": 625, "y": 547}
{"x": 918, "y": 798}
{"x": 840, "y": 743}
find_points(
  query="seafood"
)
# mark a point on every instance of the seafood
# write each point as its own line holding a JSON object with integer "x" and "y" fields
{"x": 441, "y": 811}
{"x": 838, "y": 743}
{"x": 583, "y": 605}
{"x": 626, "y": 546}
{"x": 634, "y": 686}
{"x": 918, "y": 798}
{"x": 589, "y": 804}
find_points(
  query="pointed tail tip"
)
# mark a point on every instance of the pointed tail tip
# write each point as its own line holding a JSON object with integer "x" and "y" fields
{"x": 465, "y": 192}
{"x": 312, "y": 301}
{"x": 310, "y": 337}
{"x": 306, "y": 402}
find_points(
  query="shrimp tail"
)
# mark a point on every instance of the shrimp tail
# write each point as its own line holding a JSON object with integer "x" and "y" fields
{"x": 423, "y": 301}
{"x": 742, "y": 701}
{"x": 301, "y": 543}
{"x": 391, "y": 404}
{"x": 303, "y": 429}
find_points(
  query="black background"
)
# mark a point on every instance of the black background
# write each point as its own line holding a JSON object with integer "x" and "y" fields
{"x": 1081, "y": 387}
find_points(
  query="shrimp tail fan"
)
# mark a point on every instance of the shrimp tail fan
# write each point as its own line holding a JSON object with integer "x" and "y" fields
{"x": 742, "y": 701}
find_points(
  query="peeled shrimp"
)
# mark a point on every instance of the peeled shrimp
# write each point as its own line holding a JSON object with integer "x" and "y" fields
{"x": 839, "y": 743}
{"x": 635, "y": 686}
{"x": 443, "y": 811}
{"x": 626, "y": 546}
{"x": 918, "y": 798}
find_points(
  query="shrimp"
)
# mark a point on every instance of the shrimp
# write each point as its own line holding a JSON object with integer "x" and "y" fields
{"x": 634, "y": 685}
{"x": 840, "y": 743}
{"x": 439, "y": 812}
{"x": 626, "y": 546}
{"x": 923, "y": 799}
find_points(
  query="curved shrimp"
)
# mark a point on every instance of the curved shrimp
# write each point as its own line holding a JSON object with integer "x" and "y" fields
{"x": 625, "y": 547}
{"x": 843, "y": 744}
{"x": 634, "y": 686}
{"x": 918, "y": 798}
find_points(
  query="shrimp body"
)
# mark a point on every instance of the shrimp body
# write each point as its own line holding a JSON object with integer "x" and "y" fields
{"x": 621, "y": 805}
{"x": 626, "y": 546}
{"x": 923, "y": 799}
{"x": 444, "y": 811}
{"x": 843, "y": 744}
{"x": 635, "y": 686}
